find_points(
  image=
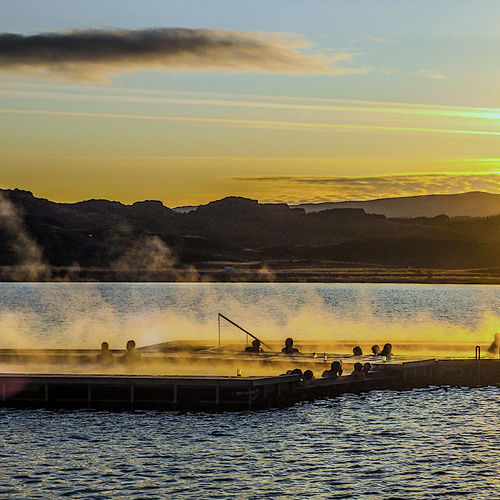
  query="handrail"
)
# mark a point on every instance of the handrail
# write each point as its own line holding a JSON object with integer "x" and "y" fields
{"x": 220, "y": 315}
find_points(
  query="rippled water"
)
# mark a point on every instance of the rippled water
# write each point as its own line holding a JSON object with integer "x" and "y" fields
{"x": 433, "y": 443}
{"x": 422, "y": 443}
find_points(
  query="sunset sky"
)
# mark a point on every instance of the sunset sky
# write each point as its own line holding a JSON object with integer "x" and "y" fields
{"x": 187, "y": 102}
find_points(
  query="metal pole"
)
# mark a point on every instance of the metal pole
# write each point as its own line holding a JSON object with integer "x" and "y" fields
{"x": 478, "y": 357}
{"x": 218, "y": 324}
{"x": 243, "y": 330}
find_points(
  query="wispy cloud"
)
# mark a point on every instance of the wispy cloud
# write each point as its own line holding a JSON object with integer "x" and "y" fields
{"x": 337, "y": 105}
{"x": 301, "y": 126}
{"x": 322, "y": 188}
{"x": 98, "y": 54}
{"x": 432, "y": 74}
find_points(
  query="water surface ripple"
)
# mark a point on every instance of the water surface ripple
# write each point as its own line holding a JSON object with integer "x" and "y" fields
{"x": 426, "y": 443}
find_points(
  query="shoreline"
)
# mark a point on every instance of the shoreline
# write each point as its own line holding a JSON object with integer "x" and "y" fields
{"x": 232, "y": 272}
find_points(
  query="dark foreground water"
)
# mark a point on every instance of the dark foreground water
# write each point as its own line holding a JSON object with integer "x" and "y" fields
{"x": 432, "y": 443}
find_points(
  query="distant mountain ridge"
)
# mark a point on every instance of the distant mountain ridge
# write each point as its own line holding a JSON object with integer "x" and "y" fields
{"x": 111, "y": 235}
{"x": 471, "y": 204}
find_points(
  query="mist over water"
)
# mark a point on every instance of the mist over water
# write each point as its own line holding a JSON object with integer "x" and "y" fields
{"x": 411, "y": 317}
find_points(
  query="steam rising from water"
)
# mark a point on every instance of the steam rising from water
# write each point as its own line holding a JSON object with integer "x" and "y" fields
{"x": 68, "y": 315}
{"x": 30, "y": 265}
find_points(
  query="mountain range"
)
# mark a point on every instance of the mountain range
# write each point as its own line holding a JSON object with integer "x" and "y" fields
{"x": 144, "y": 236}
{"x": 472, "y": 204}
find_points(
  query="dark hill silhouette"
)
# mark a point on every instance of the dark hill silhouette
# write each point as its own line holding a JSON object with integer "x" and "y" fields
{"x": 473, "y": 204}
{"x": 97, "y": 233}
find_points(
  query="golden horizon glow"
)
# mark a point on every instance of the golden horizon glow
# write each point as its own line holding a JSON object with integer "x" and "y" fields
{"x": 412, "y": 122}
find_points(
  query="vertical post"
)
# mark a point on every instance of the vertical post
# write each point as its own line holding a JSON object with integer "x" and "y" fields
{"x": 478, "y": 357}
{"x": 218, "y": 325}
{"x": 250, "y": 395}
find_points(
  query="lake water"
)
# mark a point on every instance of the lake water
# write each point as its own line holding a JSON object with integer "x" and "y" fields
{"x": 425, "y": 443}
{"x": 433, "y": 443}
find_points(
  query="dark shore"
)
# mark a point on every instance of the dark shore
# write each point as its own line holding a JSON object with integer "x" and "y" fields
{"x": 274, "y": 272}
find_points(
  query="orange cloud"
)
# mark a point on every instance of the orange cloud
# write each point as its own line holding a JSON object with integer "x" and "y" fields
{"x": 298, "y": 189}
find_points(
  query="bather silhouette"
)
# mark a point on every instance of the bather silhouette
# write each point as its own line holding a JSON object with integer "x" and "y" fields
{"x": 334, "y": 371}
{"x": 289, "y": 349}
{"x": 357, "y": 351}
{"x": 131, "y": 356}
{"x": 255, "y": 347}
{"x": 105, "y": 356}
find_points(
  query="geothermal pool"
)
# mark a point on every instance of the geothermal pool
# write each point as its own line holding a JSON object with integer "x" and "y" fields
{"x": 416, "y": 319}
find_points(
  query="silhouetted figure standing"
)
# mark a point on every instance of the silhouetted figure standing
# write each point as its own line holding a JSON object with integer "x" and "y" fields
{"x": 289, "y": 349}
{"x": 334, "y": 371}
{"x": 131, "y": 356}
{"x": 105, "y": 357}
{"x": 255, "y": 347}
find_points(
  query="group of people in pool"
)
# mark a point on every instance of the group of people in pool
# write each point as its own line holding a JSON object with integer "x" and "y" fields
{"x": 288, "y": 349}
{"x": 376, "y": 351}
{"x": 131, "y": 356}
{"x": 336, "y": 369}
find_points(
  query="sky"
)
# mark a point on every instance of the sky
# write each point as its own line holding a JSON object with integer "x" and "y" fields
{"x": 283, "y": 101}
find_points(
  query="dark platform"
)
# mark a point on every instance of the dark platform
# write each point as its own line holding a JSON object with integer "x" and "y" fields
{"x": 126, "y": 392}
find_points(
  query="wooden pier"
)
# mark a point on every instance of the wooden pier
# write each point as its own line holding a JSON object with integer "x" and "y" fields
{"x": 129, "y": 392}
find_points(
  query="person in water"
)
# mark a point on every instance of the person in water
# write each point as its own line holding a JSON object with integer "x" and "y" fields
{"x": 358, "y": 371}
{"x": 105, "y": 356}
{"x": 131, "y": 356}
{"x": 376, "y": 349}
{"x": 366, "y": 368}
{"x": 308, "y": 376}
{"x": 289, "y": 349}
{"x": 255, "y": 347}
{"x": 334, "y": 371}
{"x": 386, "y": 351}
{"x": 495, "y": 345}
{"x": 357, "y": 351}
